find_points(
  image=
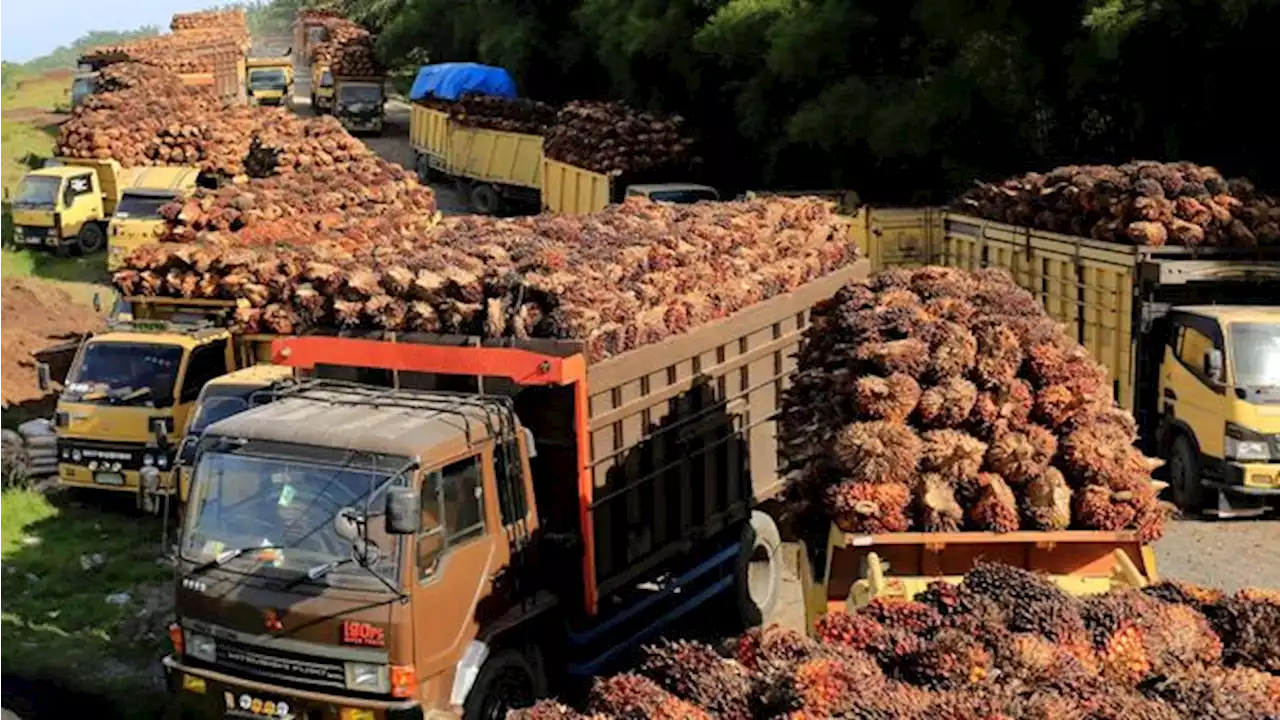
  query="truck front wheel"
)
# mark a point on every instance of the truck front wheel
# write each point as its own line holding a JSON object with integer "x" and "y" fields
{"x": 1184, "y": 474}
{"x": 506, "y": 681}
{"x": 91, "y": 239}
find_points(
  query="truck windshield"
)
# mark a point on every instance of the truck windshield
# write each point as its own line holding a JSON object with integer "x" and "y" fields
{"x": 242, "y": 501}
{"x": 218, "y": 407}
{"x": 82, "y": 88}
{"x": 361, "y": 95}
{"x": 684, "y": 195}
{"x": 134, "y": 206}
{"x": 326, "y": 79}
{"x": 37, "y": 191}
{"x": 267, "y": 79}
{"x": 125, "y": 374}
{"x": 1256, "y": 351}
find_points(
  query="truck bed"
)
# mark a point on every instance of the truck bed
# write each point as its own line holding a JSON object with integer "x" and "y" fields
{"x": 670, "y": 444}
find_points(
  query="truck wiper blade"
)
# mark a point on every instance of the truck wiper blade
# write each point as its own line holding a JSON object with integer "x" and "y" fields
{"x": 316, "y": 572}
{"x": 227, "y": 556}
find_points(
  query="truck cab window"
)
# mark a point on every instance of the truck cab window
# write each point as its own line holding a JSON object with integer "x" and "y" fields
{"x": 452, "y": 510}
{"x": 76, "y": 186}
{"x": 207, "y": 362}
{"x": 1192, "y": 349}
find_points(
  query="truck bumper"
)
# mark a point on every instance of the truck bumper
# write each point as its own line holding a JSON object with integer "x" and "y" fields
{"x": 39, "y": 237}
{"x": 204, "y": 693}
{"x": 1257, "y": 479}
{"x": 81, "y": 476}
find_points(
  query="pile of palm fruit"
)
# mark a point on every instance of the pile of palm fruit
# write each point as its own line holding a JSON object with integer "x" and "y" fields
{"x": 944, "y": 400}
{"x": 1141, "y": 203}
{"x": 1004, "y": 644}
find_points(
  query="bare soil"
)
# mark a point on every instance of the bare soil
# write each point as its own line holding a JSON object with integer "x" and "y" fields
{"x": 37, "y": 314}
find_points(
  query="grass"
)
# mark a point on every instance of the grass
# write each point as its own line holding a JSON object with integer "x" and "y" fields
{"x": 40, "y": 91}
{"x": 56, "y": 620}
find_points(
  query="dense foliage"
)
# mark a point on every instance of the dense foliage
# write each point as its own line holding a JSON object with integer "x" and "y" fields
{"x": 900, "y": 100}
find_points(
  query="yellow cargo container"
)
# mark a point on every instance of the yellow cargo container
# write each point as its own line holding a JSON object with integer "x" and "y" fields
{"x": 492, "y": 155}
{"x": 429, "y": 136}
{"x": 573, "y": 190}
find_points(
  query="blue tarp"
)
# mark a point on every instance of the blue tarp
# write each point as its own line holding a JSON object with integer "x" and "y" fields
{"x": 450, "y": 81}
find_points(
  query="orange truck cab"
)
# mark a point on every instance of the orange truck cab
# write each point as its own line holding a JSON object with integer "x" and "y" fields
{"x": 442, "y": 527}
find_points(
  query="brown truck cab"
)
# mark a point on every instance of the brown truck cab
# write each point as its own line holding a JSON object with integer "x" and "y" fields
{"x": 444, "y": 527}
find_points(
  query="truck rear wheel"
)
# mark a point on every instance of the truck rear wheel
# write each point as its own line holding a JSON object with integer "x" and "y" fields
{"x": 485, "y": 200}
{"x": 91, "y": 239}
{"x": 759, "y": 571}
{"x": 506, "y": 681}
{"x": 1184, "y": 474}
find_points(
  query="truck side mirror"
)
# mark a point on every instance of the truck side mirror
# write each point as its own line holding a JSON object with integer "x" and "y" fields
{"x": 158, "y": 430}
{"x": 1213, "y": 365}
{"x": 43, "y": 377}
{"x": 404, "y": 511}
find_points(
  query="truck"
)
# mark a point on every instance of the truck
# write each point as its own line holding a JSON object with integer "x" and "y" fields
{"x": 495, "y": 169}
{"x": 570, "y": 189}
{"x": 65, "y": 205}
{"x": 144, "y": 371}
{"x": 1190, "y": 337}
{"x": 443, "y": 527}
{"x": 136, "y": 220}
{"x": 270, "y": 80}
{"x": 222, "y": 397}
{"x": 321, "y": 89}
{"x": 359, "y": 103}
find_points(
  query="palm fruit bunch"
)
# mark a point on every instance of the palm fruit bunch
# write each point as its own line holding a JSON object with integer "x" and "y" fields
{"x": 1139, "y": 203}
{"x": 1002, "y": 644}
{"x": 943, "y": 400}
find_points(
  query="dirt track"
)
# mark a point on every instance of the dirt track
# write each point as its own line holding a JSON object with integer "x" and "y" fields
{"x": 40, "y": 314}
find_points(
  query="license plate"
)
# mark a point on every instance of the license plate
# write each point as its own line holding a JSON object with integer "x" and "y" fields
{"x": 34, "y": 240}
{"x": 108, "y": 478}
{"x": 245, "y": 705}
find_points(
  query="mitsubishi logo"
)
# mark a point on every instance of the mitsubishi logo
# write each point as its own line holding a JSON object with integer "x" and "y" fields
{"x": 272, "y": 621}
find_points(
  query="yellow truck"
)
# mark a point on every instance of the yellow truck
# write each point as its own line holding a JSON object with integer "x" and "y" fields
{"x": 144, "y": 372}
{"x": 65, "y": 205}
{"x": 359, "y": 103}
{"x": 221, "y": 398}
{"x": 321, "y": 89}
{"x": 137, "y": 220}
{"x": 270, "y": 80}
{"x": 1191, "y": 337}
{"x": 570, "y": 189}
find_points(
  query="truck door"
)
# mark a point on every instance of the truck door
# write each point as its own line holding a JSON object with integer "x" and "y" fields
{"x": 208, "y": 361}
{"x": 81, "y": 203}
{"x": 458, "y": 555}
{"x": 1192, "y": 401}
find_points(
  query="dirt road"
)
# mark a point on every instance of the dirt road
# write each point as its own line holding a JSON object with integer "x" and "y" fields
{"x": 392, "y": 144}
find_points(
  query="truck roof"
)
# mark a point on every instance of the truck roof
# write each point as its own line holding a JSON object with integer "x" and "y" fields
{"x": 253, "y": 375}
{"x": 269, "y": 61}
{"x": 162, "y": 178}
{"x": 156, "y": 338}
{"x": 404, "y": 423}
{"x": 1234, "y": 313}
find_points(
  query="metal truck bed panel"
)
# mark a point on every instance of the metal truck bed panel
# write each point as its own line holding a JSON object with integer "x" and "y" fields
{"x": 682, "y": 433}
{"x": 429, "y": 131}
{"x": 573, "y": 190}
{"x": 495, "y": 156}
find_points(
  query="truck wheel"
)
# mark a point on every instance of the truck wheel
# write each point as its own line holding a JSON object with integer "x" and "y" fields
{"x": 485, "y": 200}
{"x": 91, "y": 239}
{"x": 759, "y": 570}
{"x": 1184, "y": 474}
{"x": 506, "y": 681}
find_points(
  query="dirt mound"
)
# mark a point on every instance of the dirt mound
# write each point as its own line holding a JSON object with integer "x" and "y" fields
{"x": 37, "y": 314}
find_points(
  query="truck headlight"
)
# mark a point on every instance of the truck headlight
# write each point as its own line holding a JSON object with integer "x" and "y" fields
{"x": 148, "y": 460}
{"x": 1246, "y": 445}
{"x": 76, "y": 456}
{"x": 367, "y": 677}
{"x": 201, "y": 647}
{"x": 162, "y": 462}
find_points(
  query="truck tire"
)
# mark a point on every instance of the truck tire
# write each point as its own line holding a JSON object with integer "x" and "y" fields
{"x": 506, "y": 681}
{"x": 91, "y": 239}
{"x": 485, "y": 200}
{"x": 1184, "y": 474}
{"x": 758, "y": 575}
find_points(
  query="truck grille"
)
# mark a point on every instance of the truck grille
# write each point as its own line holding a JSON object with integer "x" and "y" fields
{"x": 256, "y": 661}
